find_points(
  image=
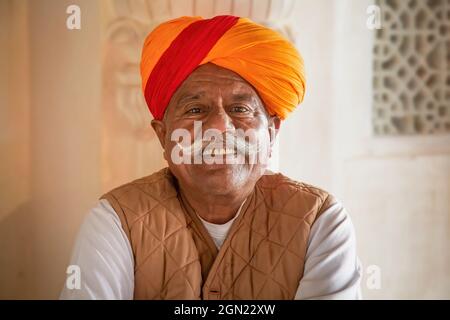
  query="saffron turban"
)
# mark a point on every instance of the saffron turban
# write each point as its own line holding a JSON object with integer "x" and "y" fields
{"x": 261, "y": 56}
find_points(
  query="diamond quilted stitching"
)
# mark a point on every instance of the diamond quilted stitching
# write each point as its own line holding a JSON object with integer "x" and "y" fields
{"x": 250, "y": 280}
{"x": 266, "y": 257}
{"x": 260, "y": 255}
{"x": 285, "y": 227}
{"x": 160, "y": 225}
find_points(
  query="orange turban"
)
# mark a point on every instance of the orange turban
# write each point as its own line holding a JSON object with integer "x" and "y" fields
{"x": 258, "y": 54}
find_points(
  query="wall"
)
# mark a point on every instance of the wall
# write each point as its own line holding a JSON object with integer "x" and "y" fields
{"x": 396, "y": 188}
{"x": 15, "y": 165}
{"x": 51, "y": 177}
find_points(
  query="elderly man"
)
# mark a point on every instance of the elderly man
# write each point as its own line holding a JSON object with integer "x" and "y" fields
{"x": 216, "y": 224}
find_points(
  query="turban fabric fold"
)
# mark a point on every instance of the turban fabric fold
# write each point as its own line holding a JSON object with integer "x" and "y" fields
{"x": 261, "y": 56}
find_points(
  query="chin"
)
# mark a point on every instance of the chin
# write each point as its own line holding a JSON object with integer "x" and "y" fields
{"x": 219, "y": 178}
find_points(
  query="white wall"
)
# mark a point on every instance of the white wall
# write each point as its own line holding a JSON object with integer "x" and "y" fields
{"x": 65, "y": 104}
{"x": 396, "y": 188}
{"x": 305, "y": 136}
{"x": 51, "y": 140}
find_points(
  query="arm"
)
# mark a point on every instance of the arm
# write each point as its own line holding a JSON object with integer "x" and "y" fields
{"x": 103, "y": 253}
{"x": 332, "y": 269}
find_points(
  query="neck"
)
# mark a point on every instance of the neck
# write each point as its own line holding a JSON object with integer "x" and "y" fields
{"x": 213, "y": 208}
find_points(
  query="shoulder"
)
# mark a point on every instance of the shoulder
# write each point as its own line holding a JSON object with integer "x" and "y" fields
{"x": 104, "y": 256}
{"x": 156, "y": 184}
{"x": 282, "y": 190}
{"x": 335, "y": 221}
{"x": 101, "y": 219}
{"x": 101, "y": 232}
{"x": 142, "y": 197}
{"x": 332, "y": 268}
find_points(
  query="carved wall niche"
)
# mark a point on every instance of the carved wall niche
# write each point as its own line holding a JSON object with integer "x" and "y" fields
{"x": 129, "y": 145}
{"x": 412, "y": 68}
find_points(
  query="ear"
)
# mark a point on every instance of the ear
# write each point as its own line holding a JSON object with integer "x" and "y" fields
{"x": 274, "y": 126}
{"x": 160, "y": 130}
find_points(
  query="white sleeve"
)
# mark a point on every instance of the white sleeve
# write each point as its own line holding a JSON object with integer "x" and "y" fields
{"x": 104, "y": 257}
{"x": 332, "y": 269}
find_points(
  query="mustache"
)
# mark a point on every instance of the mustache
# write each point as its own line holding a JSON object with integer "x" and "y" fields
{"x": 226, "y": 144}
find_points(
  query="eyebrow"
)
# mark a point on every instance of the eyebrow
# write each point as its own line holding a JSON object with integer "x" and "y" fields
{"x": 242, "y": 96}
{"x": 191, "y": 96}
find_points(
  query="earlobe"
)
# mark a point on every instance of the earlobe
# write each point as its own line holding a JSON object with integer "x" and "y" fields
{"x": 276, "y": 122}
{"x": 274, "y": 126}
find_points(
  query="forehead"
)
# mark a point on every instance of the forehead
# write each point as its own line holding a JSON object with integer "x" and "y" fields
{"x": 210, "y": 76}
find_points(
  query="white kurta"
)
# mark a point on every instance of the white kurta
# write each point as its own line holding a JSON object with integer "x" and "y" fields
{"x": 102, "y": 251}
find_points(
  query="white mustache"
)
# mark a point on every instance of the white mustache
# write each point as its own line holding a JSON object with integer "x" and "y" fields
{"x": 228, "y": 145}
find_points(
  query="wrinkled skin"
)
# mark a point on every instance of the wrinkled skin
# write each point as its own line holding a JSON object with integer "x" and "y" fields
{"x": 221, "y": 99}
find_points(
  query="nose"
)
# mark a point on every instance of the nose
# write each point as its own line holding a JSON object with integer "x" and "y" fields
{"x": 219, "y": 120}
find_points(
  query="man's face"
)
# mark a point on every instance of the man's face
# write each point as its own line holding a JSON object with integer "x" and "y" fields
{"x": 215, "y": 102}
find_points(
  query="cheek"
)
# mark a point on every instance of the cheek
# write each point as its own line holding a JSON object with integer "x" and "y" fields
{"x": 177, "y": 138}
{"x": 184, "y": 128}
{"x": 170, "y": 141}
{"x": 260, "y": 129}
{"x": 264, "y": 140}
{"x": 265, "y": 143}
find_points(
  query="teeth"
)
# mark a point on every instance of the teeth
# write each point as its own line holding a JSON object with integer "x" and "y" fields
{"x": 219, "y": 151}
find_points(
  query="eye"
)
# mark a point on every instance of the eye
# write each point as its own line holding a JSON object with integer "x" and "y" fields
{"x": 194, "y": 110}
{"x": 239, "y": 109}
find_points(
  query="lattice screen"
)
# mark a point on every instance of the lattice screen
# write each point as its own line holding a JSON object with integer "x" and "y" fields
{"x": 412, "y": 68}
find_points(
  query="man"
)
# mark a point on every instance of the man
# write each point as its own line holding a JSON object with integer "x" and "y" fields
{"x": 216, "y": 224}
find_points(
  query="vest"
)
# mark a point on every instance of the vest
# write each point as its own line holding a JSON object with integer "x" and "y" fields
{"x": 262, "y": 257}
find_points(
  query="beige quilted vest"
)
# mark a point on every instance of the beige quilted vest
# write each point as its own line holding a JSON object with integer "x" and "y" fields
{"x": 175, "y": 258}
